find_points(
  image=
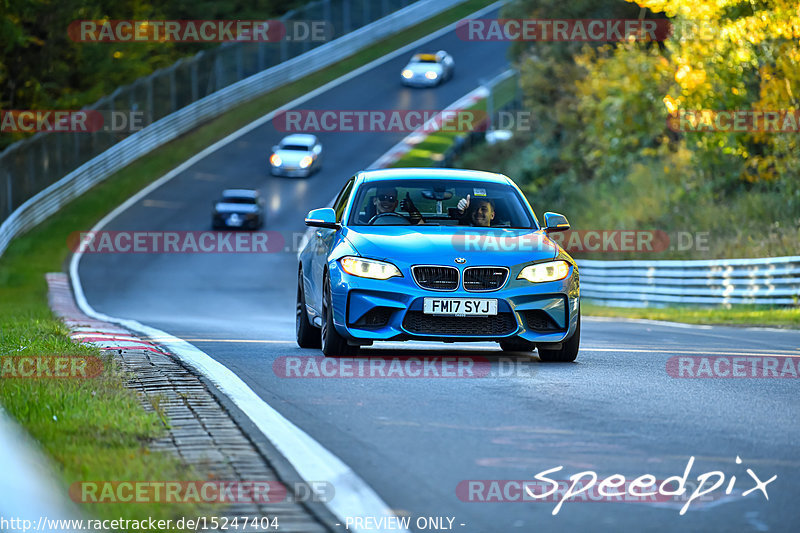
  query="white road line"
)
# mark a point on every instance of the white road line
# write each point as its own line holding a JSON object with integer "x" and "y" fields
{"x": 666, "y": 351}
{"x": 311, "y": 460}
{"x": 683, "y": 324}
{"x": 590, "y": 318}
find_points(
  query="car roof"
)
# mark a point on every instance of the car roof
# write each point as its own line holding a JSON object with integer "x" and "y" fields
{"x": 425, "y": 57}
{"x": 239, "y": 193}
{"x": 371, "y": 176}
{"x": 299, "y": 138}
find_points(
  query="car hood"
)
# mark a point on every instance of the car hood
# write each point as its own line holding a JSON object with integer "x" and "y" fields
{"x": 422, "y": 68}
{"x": 292, "y": 156}
{"x": 443, "y": 244}
{"x": 222, "y": 207}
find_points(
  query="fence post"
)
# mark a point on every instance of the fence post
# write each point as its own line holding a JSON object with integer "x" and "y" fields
{"x": 261, "y": 56}
{"x": 218, "y": 69}
{"x": 30, "y": 179}
{"x": 239, "y": 61}
{"x": 173, "y": 93}
{"x": 150, "y": 107}
{"x": 195, "y": 83}
{"x": 10, "y": 192}
{"x": 326, "y": 11}
{"x": 58, "y": 165}
{"x": 346, "y": 16}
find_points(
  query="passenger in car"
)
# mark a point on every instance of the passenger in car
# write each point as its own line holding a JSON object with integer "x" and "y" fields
{"x": 478, "y": 212}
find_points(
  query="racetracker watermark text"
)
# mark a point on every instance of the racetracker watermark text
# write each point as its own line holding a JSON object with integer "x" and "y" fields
{"x": 736, "y": 367}
{"x": 734, "y": 121}
{"x": 581, "y": 30}
{"x": 488, "y": 240}
{"x": 66, "y": 121}
{"x": 199, "y": 31}
{"x": 401, "y": 367}
{"x": 205, "y": 491}
{"x": 582, "y": 241}
{"x": 50, "y": 367}
{"x": 178, "y": 242}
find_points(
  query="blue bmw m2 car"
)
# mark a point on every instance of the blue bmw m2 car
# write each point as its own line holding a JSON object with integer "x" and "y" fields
{"x": 436, "y": 255}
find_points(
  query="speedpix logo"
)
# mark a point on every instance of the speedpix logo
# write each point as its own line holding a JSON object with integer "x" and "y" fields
{"x": 588, "y": 487}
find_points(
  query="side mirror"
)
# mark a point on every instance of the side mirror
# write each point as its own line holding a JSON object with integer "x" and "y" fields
{"x": 322, "y": 218}
{"x": 554, "y": 222}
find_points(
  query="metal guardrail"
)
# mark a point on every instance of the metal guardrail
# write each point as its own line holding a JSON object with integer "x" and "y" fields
{"x": 29, "y": 487}
{"x": 767, "y": 281}
{"x": 49, "y": 200}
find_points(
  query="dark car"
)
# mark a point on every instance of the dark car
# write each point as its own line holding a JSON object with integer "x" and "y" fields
{"x": 239, "y": 209}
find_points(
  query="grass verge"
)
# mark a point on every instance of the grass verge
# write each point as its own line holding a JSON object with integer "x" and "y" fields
{"x": 95, "y": 429}
{"x": 739, "y": 315}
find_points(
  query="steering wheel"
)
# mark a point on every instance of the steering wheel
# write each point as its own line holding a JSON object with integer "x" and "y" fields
{"x": 377, "y": 217}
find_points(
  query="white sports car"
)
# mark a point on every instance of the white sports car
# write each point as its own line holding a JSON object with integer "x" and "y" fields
{"x": 427, "y": 70}
{"x": 298, "y": 155}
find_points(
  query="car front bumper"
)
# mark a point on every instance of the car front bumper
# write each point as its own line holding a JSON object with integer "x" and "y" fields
{"x": 382, "y": 310}
{"x": 291, "y": 172}
{"x": 244, "y": 222}
{"x": 419, "y": 81}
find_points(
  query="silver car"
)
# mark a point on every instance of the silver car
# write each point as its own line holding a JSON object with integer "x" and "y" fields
{"x": 297, "y": 155}
{"x": 428, "y": 70}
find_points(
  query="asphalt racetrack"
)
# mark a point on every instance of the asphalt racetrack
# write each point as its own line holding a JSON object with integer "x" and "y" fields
{"x": 419, "y": 442}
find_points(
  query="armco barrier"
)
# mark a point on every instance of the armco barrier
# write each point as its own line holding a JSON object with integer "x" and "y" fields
{"x": 48, "y": 201}
{"x": 29, "y": 487}
{"x": 767, "y": 281}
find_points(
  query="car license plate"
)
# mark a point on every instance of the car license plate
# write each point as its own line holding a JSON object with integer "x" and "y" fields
{"x": 460, "y": 306}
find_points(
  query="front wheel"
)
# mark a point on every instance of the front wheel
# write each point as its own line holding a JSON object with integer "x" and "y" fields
{"x": 568, "y": 351}
{"x": 333, "y": 344}
{"x": 307, "y": 335}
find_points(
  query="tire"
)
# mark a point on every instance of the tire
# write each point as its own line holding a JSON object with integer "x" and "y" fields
{"x": 307, "y": 335}
{"x": 568, "y": 351}
{"x": 333, "y": 344}
{"x": 516, "y": 345}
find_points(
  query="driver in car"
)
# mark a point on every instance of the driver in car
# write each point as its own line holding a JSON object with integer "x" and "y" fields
{"x": 385, "y": 201}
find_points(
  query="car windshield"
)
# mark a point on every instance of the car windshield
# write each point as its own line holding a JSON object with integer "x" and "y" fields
{"x": 386, "y": 203}
{"x": 237, "y": 200}
{"x": 296, "y": 147}
{"x": 425, "y": 59}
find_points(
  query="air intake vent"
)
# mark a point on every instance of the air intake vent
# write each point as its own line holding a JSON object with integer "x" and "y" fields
{"x": 540, "y": 321}
{"x": 436, "y": 278}
{"x": 484, "y": 278}
{"x": 496, "y": 326}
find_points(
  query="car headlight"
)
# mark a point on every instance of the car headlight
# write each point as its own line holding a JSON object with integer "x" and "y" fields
{"x": 431, "y": 75}
{"x": 369, "y": 268}
{"x": 306, "y": 161}
{"x": 551, "y": 271}
{"x": 407, "y": 74}
{"x": 275, "y": 160}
